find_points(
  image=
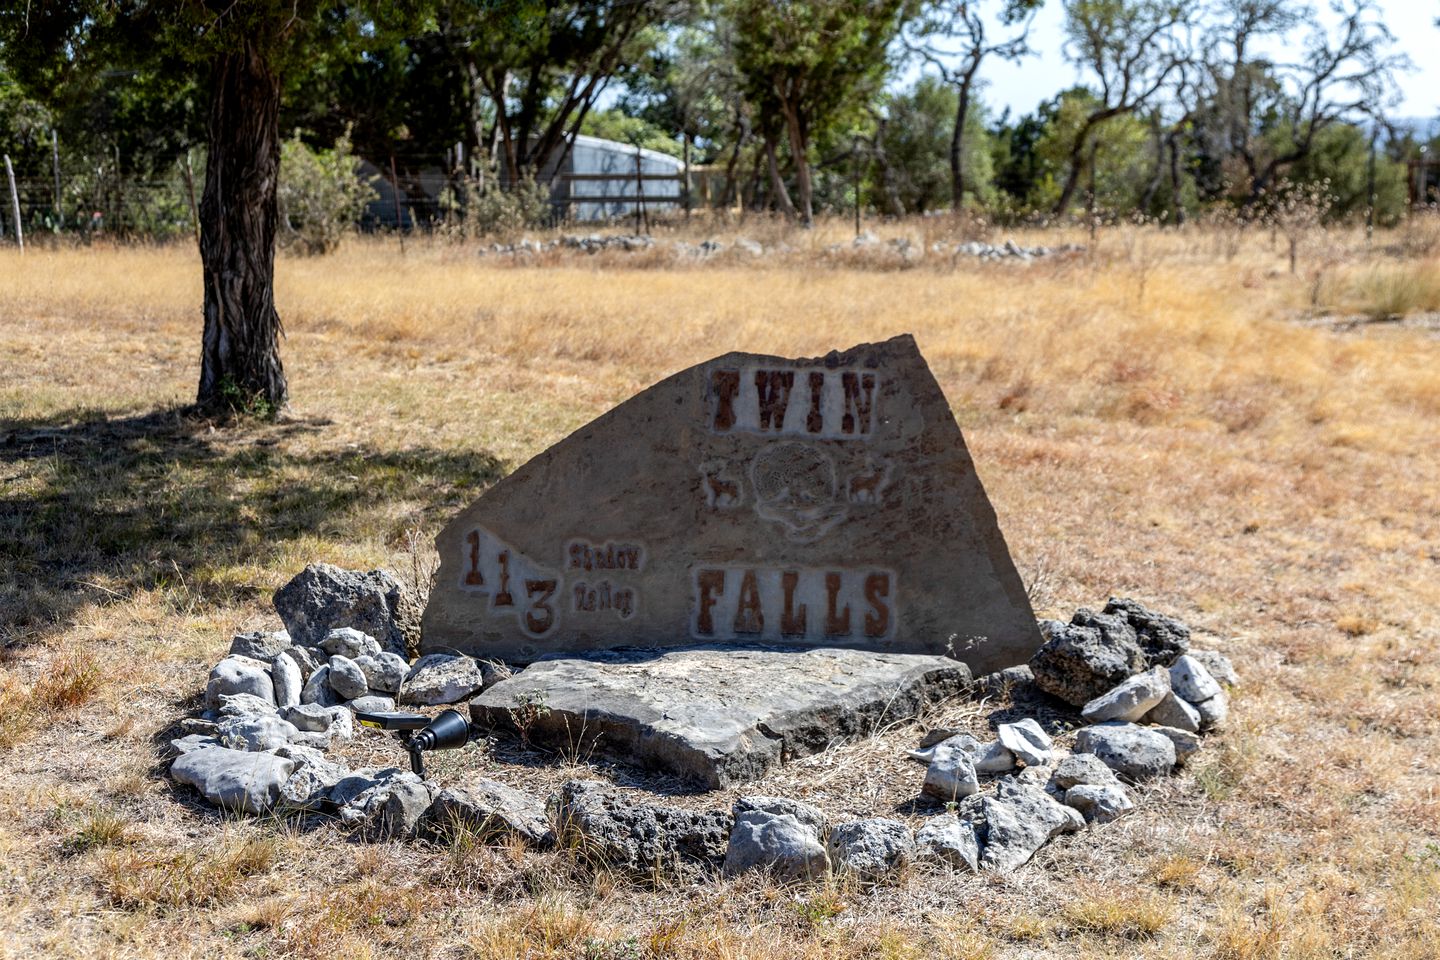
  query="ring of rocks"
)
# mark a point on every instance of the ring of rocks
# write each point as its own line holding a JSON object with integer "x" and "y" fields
{"x": 1141, "y": 698}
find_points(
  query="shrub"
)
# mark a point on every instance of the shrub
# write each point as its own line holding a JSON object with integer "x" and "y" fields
{"x": 320, "y": 195}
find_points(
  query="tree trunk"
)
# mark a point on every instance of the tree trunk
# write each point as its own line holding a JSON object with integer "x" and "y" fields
{"x": 1177, "y": 200}
{"x": 1072, "y": 175}
{"x": 799, "y": 156}
{"x": 782, "y": 194}
{"x": 957, "y": 138}
{"x": 1147, "y": 198}
{"x": 240, "y": 354}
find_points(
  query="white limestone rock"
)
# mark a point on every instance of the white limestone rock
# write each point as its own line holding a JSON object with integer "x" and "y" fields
{"x": 1027, "y": 741}
{"x": 1100, "y": 803}
{"x": 317, "y": 689}
{"x": 443, "y": 678}
{"x": 951, "y": 773}
{"x": 234, "y": 779}
{"x": 1191, "y": 681}
{"x": 238, "y": 674}
{"x": 350, "y": 643}
{"x": 383, "y": 673}
{"x": 288, "y": 681}
{"x": 779, "y": 836}
{"x": 1134, "y": 752}
{"x": 950, "y": 840}
{"x": 872, "y": 848}
{"x": 255, "y": 732}
{"x": 1219, "y": 666}
{"x": 1131, "y": 699}
{"x": 1173, "y": 712}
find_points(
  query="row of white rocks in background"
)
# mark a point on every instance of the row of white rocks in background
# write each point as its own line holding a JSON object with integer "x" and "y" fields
{"x": 903, "y": 247}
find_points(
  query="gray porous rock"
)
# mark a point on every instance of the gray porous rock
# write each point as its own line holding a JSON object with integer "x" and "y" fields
{"x": 779, "y": 836}
{"x": 1082, "y": 768}
{"x": 317, "y": 689}
{"x": 1191, "y": 681}
{"x": 358, "y": 797}
{"x": 1100, "y": 803}
{"x": 1214, "y": 711}
{"x": 1018, "y": 821}
{"x": 314, "y": 776}
{"x": 238, "y": 674}
{"x": 1027, "y": 740}
{"x": 1004, "y": 682}
{"x": 255, "y": 732}
{"x": 240, "y": 780}
{"x": 488, "y": 811}
{"x": 1131, "y": 699}
{"x": 245, "y": 705}
{"x": 951, "y": 773}
{"x": 444, "y": 678}
{"x": 308, "y": 659}
{"x": 950, "y": 840}
{"x": 1187, "y": 742}
{"x": 1079, "y": 663}
{"x": 1114, "y": 628}
{"x": 639, "y": 838}
{"x": 1134, "y": 752}
{"x": 396, "y": 815}
{"x": 1173, "y": 712}
{"x": 385, "y": 672}
{"x": 372, "y": 703}
{"x": 871, "y": 848}
{"x": 259, "y": 644}
{"x": 323, "y": 597}
{"x": 288, "y": 681}
{"x": 346, "y": 678}
{"x": 351, "y": 643}
{"x": 1219, "y": 666}
{"x": 1161, "y": 638}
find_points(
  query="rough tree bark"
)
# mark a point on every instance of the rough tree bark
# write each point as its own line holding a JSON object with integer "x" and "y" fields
{"x": 240, "y": 349}
{"x": 957, "y": 136}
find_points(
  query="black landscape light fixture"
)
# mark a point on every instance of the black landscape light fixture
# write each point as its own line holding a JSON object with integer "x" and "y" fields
{"x": 449, "y": 731}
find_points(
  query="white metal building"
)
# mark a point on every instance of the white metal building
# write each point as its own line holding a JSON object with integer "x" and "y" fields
{"x": 606, "y": 179}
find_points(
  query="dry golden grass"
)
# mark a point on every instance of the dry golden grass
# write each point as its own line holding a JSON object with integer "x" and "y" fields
{"x": 1157, "y": 417}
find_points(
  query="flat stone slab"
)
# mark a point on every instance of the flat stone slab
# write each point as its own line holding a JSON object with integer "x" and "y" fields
{"x": 716, "y": 715}
{"x": 805, "y": 502}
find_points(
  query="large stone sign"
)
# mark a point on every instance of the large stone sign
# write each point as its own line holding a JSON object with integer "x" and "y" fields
{"x": 826, "y": 502}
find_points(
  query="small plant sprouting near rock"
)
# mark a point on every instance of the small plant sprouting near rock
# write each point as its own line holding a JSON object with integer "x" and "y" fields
{"x": 530, "y": 709}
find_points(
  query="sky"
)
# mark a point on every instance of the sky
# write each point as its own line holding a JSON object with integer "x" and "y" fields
{"x": 1022, "y": 86}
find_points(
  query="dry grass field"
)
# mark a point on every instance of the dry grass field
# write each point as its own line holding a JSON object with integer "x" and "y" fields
{"x": 1169, "y": 416}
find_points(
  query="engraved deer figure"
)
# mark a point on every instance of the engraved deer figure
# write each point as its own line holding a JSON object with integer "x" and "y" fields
{"x": 866, "y": 486}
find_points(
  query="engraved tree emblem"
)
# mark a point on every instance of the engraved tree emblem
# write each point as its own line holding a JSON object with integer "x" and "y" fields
{"x": 795, "y": 486}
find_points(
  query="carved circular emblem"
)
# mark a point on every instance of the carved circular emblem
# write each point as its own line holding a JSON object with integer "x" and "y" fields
{"x": 795, "y": 486}
{"x": 793, "y": 473}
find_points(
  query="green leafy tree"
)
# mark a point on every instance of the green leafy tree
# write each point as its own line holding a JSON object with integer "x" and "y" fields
{"x": 953, "y": 38}
{"x": 240, "y": 54}
{"x": 1133, "y": 48}
{"x": 803, "y": 63}
{"x": 916, "y": 140}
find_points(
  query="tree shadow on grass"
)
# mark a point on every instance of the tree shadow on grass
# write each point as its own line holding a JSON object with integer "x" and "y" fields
{"x": 95, "y": 510}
